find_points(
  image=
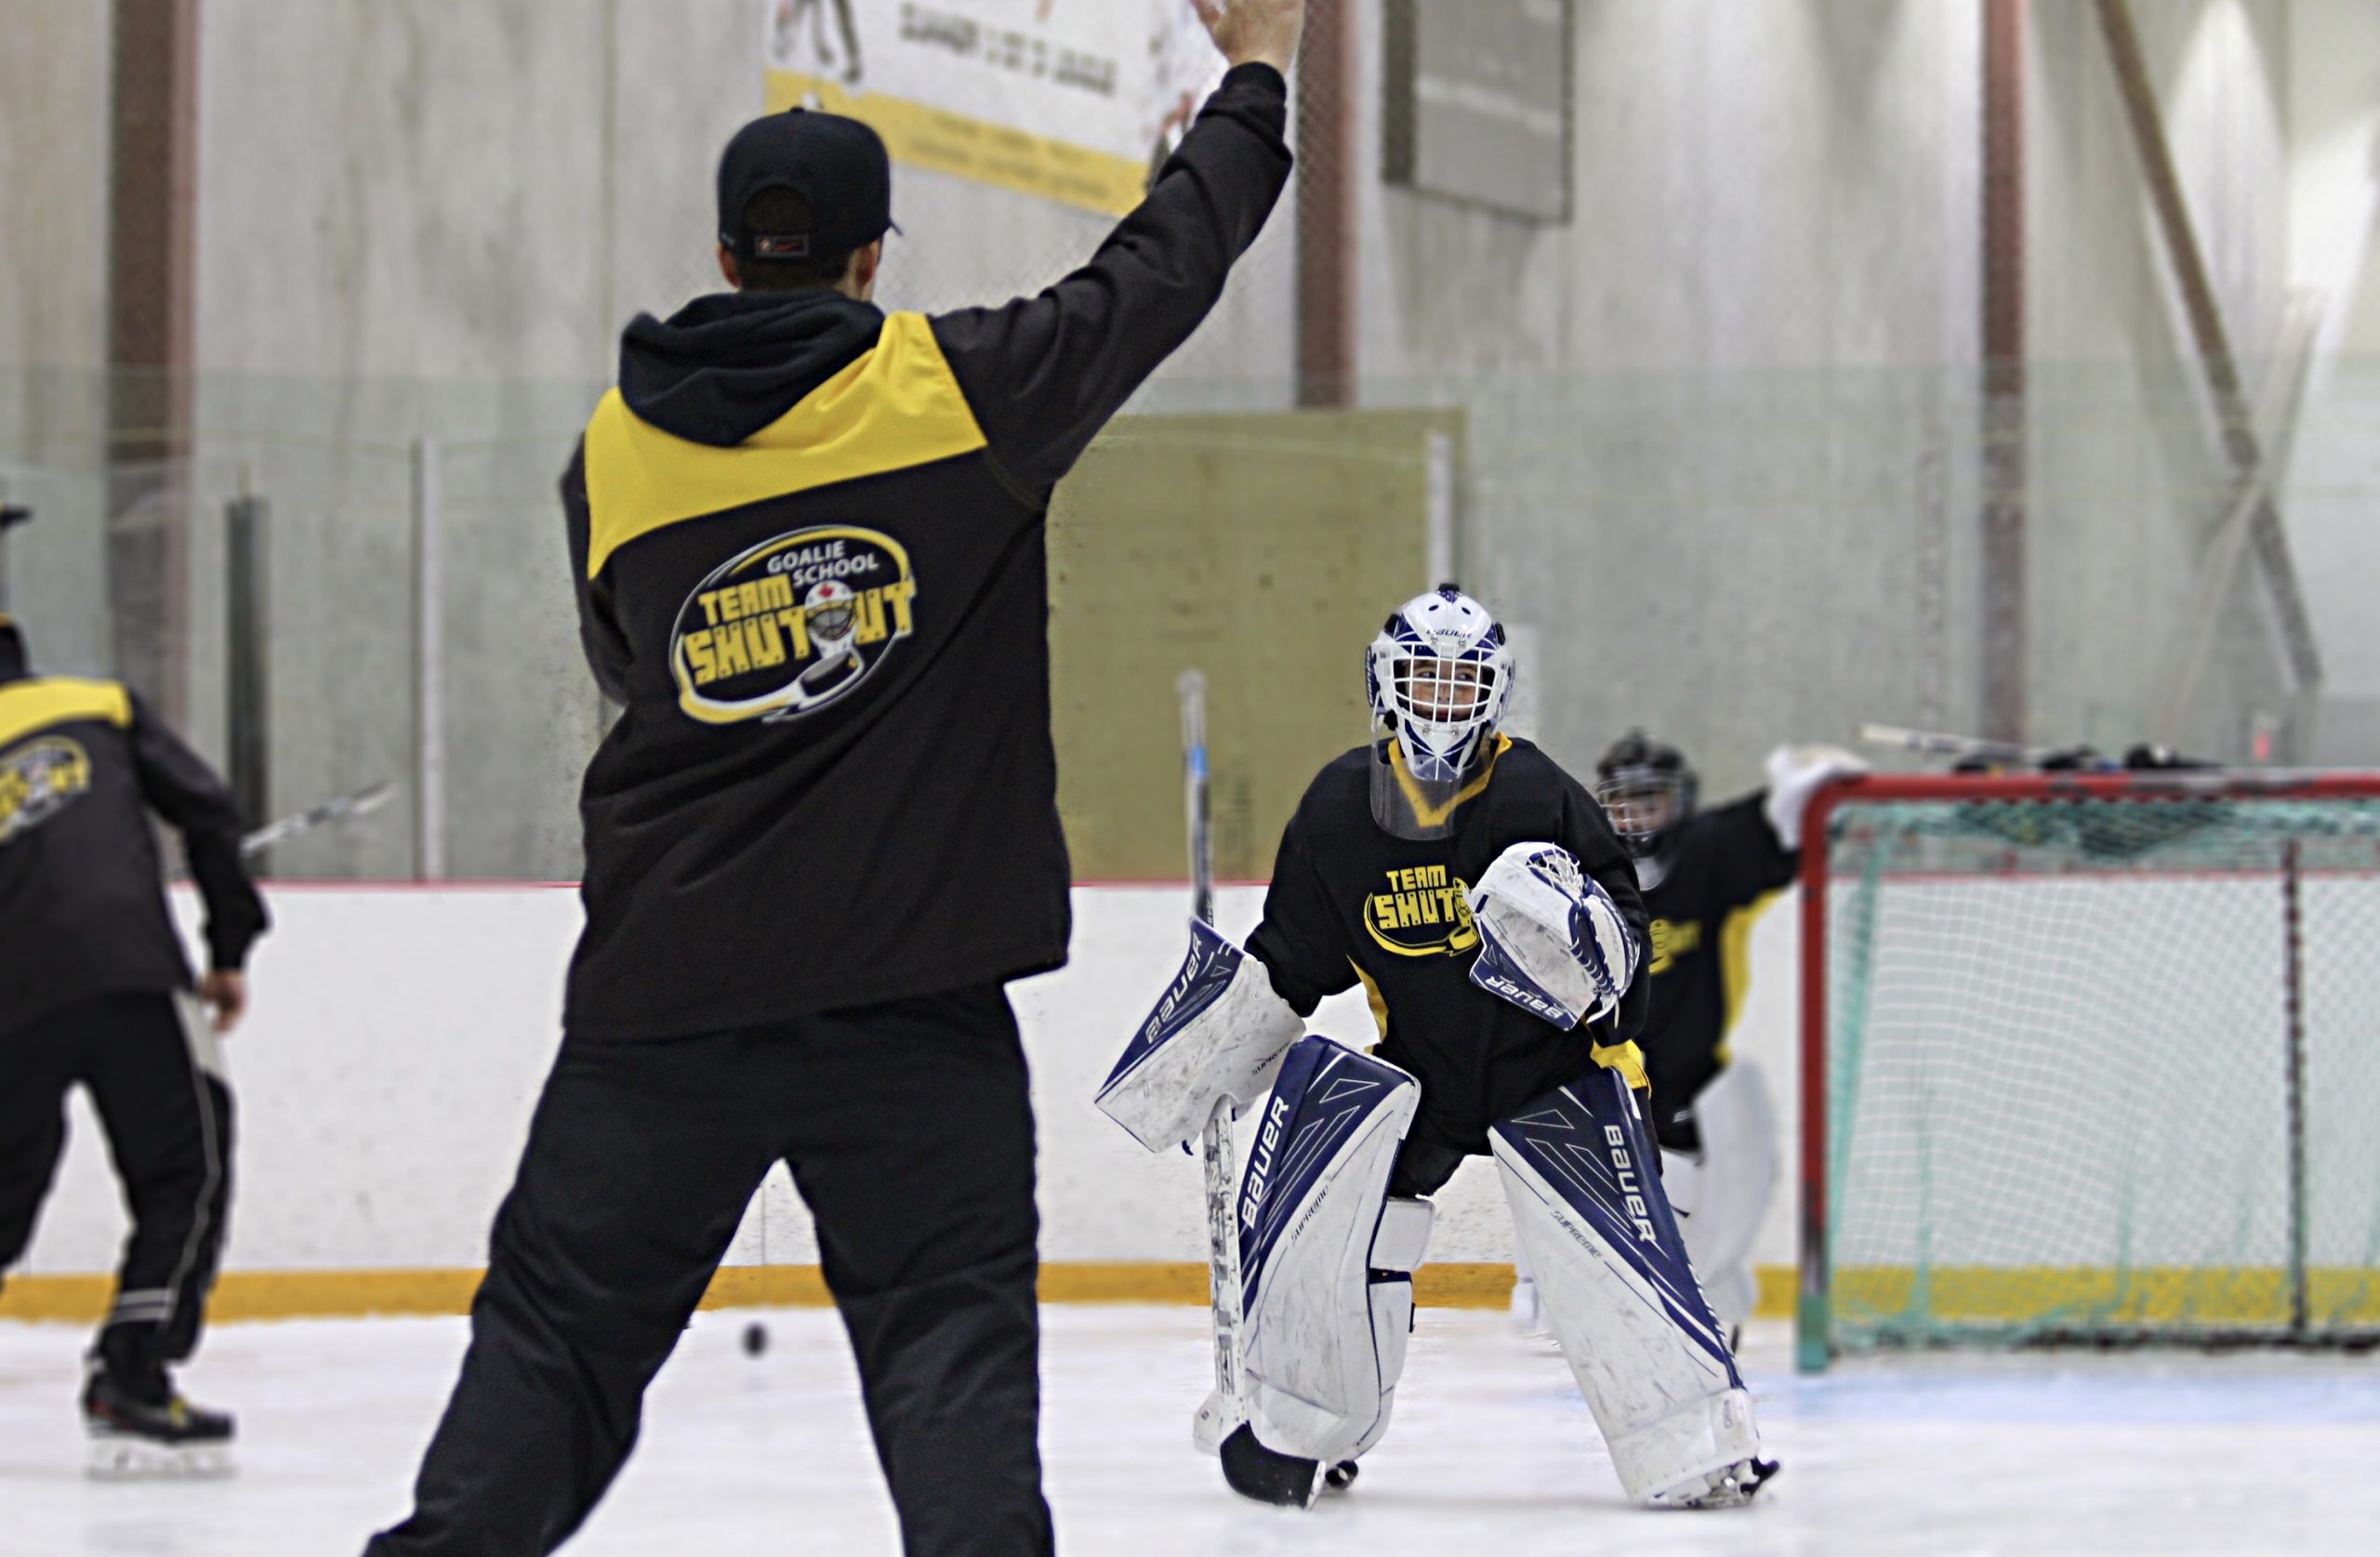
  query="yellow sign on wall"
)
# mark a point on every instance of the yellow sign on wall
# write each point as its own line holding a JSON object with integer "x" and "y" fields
{"x": 1067, "y": 100}
{"x": 1261, "y": 549}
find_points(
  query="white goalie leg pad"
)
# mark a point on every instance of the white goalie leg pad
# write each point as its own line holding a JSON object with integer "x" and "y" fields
{"x": 1219, "y": 1032}
{"x": 1578, "y": 1172}
{"x": 1326, "y": 1257}
{"x": 1722, "y": 1195}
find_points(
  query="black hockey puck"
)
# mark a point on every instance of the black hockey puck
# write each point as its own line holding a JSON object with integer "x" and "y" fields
{"x": 756, "y": 1338}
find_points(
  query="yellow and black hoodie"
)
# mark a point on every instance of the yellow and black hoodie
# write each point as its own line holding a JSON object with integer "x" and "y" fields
{"x": 82, "y": 902}
{"x": 808, "y": 542}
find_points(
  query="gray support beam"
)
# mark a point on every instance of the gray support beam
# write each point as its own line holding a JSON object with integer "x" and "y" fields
{"x": 152, "y": 263}
{"x": 248, "y": 596}
{"x": 1328, "y": 77}
{"x": 428, "y": 670}
{"x": 2005, "y": 464}
{"x": 2267, "y": 541}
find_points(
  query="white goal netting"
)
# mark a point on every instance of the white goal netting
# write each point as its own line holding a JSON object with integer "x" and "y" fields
{"x": 2101, "y": 1063}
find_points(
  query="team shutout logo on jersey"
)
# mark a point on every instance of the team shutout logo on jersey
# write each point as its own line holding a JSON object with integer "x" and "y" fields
{"x": 1425, "y": 912}
{"x": 791, "y": 626}
{"x": 37, "y": 781}
{"x": 1672, "y": 939}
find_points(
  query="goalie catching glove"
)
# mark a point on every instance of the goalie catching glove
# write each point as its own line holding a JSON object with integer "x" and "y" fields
{"x": 1552, "y": 941}
{"x": 1795, "y": 773}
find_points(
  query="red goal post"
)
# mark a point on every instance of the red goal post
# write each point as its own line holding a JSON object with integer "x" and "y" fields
{"x": 2090, "y": 1058}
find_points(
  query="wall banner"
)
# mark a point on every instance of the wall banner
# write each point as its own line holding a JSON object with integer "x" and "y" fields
{"x": 1072, "y": 101}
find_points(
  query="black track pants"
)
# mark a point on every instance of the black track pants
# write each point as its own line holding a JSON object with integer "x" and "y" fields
{"x": 160, "y": 1094}
{"x": 909, "y": 1134}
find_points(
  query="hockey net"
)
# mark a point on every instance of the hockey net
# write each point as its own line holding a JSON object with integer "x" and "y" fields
{"x": 2091, "y": 1060}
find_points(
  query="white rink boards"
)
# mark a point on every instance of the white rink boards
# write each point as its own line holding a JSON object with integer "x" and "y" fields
{"x": 1492, "y": 1451}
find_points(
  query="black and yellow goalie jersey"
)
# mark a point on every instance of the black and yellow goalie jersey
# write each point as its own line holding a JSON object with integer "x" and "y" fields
{"x": 1711, "y": 880}
{"x": 1350, "y": 903}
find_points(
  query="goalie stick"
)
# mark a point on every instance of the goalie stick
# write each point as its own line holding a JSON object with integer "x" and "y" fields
{"x": 1218, "y": 1152}
{"x": 330, "y": 813}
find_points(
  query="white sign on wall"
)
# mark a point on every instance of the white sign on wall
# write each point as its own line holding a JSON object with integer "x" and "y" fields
{"x": 1073, "y": 100}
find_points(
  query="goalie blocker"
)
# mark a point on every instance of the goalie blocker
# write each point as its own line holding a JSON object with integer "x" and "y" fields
{"x": 1219, "y": 1032}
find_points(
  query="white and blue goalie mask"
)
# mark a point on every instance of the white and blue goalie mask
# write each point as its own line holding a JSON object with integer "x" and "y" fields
{"x": 1439, "y": 678}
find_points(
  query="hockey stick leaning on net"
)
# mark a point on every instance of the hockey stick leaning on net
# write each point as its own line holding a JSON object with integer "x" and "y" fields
{"x": 1929, "y": 743}
{"x": 330, "y": 813}
{"x": 1218, "y": 1150}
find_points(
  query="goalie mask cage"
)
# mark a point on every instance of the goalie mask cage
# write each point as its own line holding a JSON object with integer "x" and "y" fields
{"x": 2091, "y": 1060}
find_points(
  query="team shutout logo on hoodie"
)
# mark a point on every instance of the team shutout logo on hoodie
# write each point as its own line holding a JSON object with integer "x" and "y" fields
{"x": 793, "y": 624}
{"x": 39, "y": 780}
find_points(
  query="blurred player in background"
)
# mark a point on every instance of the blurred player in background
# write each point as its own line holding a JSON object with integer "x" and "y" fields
{"x": 808, "y": 542}
{"x": 1186, "y": 71}
{"x": 1479, "y": 895}
{"x": 94, "y": 992}
{"x": 1706, "y": 876}
{"x": 787, "y": 21}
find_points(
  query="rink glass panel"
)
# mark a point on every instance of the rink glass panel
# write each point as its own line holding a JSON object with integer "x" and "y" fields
{"x": 2092, "y": 1061}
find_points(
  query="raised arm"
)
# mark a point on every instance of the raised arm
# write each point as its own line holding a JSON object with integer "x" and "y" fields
{"x": 1045, "y": 373}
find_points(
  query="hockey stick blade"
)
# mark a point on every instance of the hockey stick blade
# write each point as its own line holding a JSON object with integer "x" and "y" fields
{"x": 330, "y": 813}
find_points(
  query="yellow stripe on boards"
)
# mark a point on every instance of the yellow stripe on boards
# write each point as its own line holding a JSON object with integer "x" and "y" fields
{"x": 1781, "y": 1287}
{"x": 2167, "y": 1296}
{"x": 896, "y": 407}
{"x": 2149, "y": 1296}
{"x": 30, "y": 707}
{"x": 257, "y": 1295}
{"x": 977, "y": 150}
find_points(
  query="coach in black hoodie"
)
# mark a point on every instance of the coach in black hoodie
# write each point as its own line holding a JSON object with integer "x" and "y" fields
{"x": 808, "y": 542}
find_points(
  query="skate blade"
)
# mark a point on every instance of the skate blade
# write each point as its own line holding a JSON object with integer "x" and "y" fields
{"x": 117, "y": 1459}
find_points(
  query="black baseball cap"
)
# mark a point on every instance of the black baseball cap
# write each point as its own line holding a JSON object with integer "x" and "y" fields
{"x": 839, "y": 169}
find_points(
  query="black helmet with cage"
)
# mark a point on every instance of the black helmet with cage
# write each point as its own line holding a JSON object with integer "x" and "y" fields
{"x": 1647, "y": 789}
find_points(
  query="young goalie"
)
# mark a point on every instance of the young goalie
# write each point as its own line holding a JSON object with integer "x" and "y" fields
{"x": 1478, "y": 892}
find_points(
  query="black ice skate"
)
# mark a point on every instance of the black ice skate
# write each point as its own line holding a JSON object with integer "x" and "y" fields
{"x": 133, "y": 1437}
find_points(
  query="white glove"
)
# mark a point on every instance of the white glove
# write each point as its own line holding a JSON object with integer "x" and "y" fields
{"x": 1552, "y": 941}
{"x": 1795, "y": 774}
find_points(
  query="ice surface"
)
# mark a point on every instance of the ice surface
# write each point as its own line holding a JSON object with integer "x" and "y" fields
{"x": 1492, "y": 1454}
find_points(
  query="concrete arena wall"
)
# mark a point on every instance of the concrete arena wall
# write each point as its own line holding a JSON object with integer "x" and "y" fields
{"x": 387, "y": 1075}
